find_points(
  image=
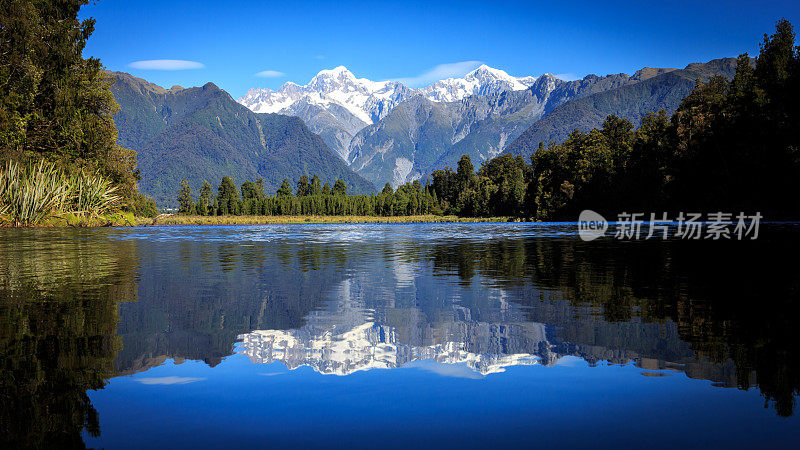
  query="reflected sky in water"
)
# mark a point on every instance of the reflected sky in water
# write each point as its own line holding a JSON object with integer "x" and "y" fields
{"x": 395, "y": 335}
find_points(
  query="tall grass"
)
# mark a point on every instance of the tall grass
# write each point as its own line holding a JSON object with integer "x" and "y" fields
{"x": 30, "y": 194}
{"x": 90, "y": 195}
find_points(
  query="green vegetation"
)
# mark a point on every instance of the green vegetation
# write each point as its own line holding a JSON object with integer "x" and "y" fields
{"x": 56, "y": 106}
{"x": 194, "y": 219}
{"x": 312, "y": 199}
{"x": 653, "y": 90}
{"x": 730, "y": 146}
{"x": 31, "y": 194}
{"x": 201, "y": 133}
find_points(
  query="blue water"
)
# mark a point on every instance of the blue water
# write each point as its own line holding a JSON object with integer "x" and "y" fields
{"x": 450, "y": 335}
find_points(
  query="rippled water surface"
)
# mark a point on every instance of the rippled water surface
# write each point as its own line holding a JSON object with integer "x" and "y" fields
{"x": 454, "y": 335}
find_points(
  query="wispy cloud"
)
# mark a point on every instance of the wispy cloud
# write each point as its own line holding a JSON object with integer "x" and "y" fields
{"x": 168, "y": 380}
{"x": 270, "y": 74}
{"x": 319, "y": 56}
{"x": 166, "y": 64}
{"x": 440, "y": 72}
{"x": 567, "y": 76}
{"x": 445, "y": 370}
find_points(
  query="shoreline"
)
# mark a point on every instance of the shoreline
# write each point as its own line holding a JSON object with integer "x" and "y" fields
{"x": 127, "y": 220}
{"x": 193, "y": 220}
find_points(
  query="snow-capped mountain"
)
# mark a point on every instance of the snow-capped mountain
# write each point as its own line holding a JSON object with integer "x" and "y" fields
{"x": 336, "y": 105}
{"x": 368, "y": 100}
{"x": 482, "y": 81}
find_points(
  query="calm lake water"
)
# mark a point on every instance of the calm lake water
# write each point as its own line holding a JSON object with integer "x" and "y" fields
{"x": 452, "y": 335}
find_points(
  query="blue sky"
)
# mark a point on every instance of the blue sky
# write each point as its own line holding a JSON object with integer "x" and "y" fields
{"x": 243, "y": 44}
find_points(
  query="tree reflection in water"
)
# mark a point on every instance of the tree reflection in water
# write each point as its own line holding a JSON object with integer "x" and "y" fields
{"x": 80, "y": 306}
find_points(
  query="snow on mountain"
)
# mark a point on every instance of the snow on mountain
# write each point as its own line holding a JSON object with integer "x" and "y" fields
{"x": 482, "y": 81}
{"x": 368, "y": 100}
{"x": 336, "y": 105}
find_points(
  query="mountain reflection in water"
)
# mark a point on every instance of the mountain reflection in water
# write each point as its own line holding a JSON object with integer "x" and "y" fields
{"x": 80, "y": 307}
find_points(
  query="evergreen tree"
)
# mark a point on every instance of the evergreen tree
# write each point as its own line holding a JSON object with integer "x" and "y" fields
{"x": 340, "y": 188}
{"x": 303, "y": 186}
{"x": 316, "y": 186}
{"x": 204, "y": 200}
{"x": 285, "y": 190}
{"x": 227, "y": 197}
{"x": 185, "y": 199}
{"x": 253, "y": 191}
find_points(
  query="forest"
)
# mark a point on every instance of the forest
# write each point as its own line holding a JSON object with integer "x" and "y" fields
{"x": 732, "y": 145}
{"x": 58, "y": 140}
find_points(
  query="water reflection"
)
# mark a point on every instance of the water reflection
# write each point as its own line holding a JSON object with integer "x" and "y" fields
{"x": 78, "y": 307}
{"x": 59, "y": 304}
{"x": 347, "y": 336}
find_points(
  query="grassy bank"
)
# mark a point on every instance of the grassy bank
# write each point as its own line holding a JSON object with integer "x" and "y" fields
{"x": 78, "y": 220}
{"x": 43, "y": 193}
{"x": 129, "y": 220}
{"x": 180, "y": 219}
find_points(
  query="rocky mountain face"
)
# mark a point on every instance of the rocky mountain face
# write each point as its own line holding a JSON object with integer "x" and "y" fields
{"x": 387, "y": 132}
{"x": 649, "y": 90}
{"x": 420, "y": 135}
{"x": 201, "y": 134}
{"x": 336, "y": 105}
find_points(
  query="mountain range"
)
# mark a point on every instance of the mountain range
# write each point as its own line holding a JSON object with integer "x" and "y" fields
{"x": 657, "y": 89}
{"x": 336, "y": 105}
{"x": 202, "y": 134}
{"x": 387, "y": 132}
{"x": 369, "y": 133}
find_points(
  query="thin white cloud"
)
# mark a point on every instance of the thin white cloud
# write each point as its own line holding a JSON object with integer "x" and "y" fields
{"x": 166, "y": 64}
{"x": 567, "y": 76}
{"x": 168, "y": 380}
{"x": 270, "y": 74}
{"x": 445, "y": 370}
{"x": 440, "y": 72}
{"x": 319, "y": 56}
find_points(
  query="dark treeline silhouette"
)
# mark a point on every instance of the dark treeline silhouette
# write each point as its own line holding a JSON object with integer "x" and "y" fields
{"x": 310, "y": 197}
{"x": 730, "y": 146}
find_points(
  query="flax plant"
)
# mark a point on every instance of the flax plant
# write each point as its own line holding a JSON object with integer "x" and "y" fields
{"x": 31, "y": 194}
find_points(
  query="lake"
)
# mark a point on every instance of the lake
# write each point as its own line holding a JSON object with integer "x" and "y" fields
{"x": 383, "y": 336}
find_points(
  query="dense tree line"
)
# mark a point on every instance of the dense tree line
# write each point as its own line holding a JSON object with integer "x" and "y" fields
{"x": 731, "y": 145}
{"x": 309, "y": 197}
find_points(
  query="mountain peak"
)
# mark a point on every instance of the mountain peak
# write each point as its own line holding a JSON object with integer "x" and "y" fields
{"x": 335, "y": 72}
{"x": 484, "y": 69}
{"x": 483, "y": 80}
